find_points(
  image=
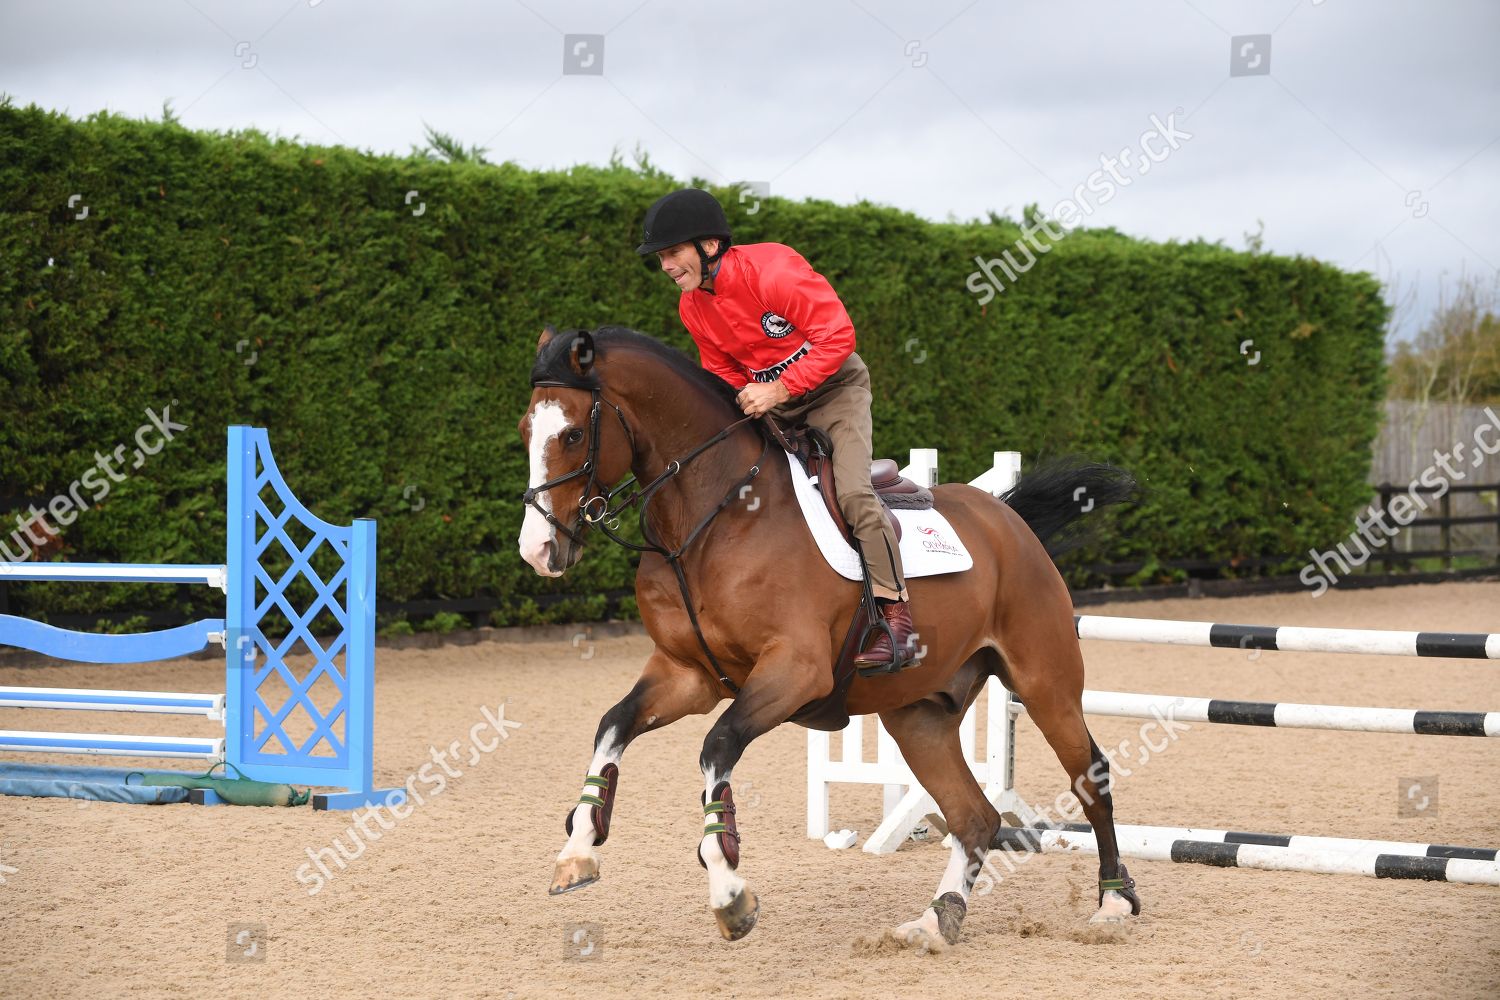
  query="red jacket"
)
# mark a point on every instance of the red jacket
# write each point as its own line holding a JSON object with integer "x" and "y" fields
{"x": 769, "y": 316}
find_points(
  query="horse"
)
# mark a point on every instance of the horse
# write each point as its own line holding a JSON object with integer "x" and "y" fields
{"x": 739, "y": 604}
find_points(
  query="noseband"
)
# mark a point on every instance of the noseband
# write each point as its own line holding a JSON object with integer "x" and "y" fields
{"x": 594, "y": 503}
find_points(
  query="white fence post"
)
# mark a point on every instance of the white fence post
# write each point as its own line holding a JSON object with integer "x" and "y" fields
{"x": 817, "y": 784}
{"x": 923, "y": 468}
{"x": 1003, "y": 475}
{"x": 888, "y": 758}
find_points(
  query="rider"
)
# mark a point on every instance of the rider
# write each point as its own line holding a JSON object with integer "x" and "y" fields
{"x": 774, "y": 329}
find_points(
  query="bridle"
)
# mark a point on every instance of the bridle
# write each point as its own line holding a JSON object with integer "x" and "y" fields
{"x": 594, "y": 505}
{"x": 590, "y": 467}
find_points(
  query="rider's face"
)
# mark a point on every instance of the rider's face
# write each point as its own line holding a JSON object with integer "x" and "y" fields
{"x": 682, "y": 264}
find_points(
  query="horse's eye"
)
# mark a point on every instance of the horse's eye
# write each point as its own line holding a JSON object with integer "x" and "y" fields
{"x": 574, "y": 436}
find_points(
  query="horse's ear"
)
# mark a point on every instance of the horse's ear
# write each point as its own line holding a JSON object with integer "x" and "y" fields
{"x": 581, "y": 354}
{"x": 548, "y": 332}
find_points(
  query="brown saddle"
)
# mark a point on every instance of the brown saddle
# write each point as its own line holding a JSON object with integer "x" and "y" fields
{"x": 814, "y": 450}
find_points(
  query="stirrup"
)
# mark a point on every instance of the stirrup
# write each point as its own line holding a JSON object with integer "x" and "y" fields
{"x": 899, "y": 658}
{"x": 898, "y": 661}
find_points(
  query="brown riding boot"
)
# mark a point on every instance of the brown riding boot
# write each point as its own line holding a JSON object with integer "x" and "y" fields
{"x": 877, "y": 651}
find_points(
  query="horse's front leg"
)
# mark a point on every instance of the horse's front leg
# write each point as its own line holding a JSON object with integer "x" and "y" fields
{"x": 783, "y": 681}
{"x": 666, "y": 691}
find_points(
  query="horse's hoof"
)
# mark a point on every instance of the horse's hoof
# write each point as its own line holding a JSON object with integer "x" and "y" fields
{"x": 737, "y": 917}
{"x": 574, "y": 873}
{"x": 1117, "y": 899}
{"x": 920, "y": 937}
{"x": 951, "y": 910}
{"x": 1114, "y": 908}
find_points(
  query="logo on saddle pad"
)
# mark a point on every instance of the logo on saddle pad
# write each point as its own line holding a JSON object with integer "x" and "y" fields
{"x": 775, "y": 326}
{"x": 932, "y": 540}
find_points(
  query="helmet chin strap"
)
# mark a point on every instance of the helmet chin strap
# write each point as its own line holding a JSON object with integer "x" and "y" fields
{"x": 704, "y": 260}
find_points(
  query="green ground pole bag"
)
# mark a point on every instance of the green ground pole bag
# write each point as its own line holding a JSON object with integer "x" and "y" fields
{"x": 236, "y": 791}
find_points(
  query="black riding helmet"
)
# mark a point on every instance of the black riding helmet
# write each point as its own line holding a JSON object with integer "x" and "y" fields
{"x": 689, "y": 215}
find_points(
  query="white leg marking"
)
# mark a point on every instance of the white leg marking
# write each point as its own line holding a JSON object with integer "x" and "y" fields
{"x": 723, "y": 883}
{"x": 958, "y": 877}
{"x": 537, "y": 535}
{"x": 961, "y": 871}
{"x": 581, "y": 840}
{"x": 1115, "y": 909}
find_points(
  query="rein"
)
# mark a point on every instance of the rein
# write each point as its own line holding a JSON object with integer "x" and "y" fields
{"x": 594, "y": 506}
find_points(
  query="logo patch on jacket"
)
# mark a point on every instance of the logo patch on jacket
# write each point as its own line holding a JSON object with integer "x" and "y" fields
{"x": 773, "y": 373}
{"x": 775, "y": 326}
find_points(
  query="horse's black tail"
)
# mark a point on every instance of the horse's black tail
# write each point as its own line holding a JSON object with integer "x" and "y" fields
{"x": 1057, "y": 494}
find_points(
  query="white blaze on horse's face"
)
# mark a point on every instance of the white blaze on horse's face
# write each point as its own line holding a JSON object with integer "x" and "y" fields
{"x": 538, "y": 537}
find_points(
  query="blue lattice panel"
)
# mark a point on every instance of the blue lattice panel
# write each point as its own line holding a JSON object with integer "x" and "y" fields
{"x": 301, "y": 632}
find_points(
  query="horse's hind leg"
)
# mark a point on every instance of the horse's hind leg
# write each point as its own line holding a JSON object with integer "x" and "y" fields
{"x": 665, "y": 692}
{"x": 928, "y": 736}
{"x": 1048, "y": 678}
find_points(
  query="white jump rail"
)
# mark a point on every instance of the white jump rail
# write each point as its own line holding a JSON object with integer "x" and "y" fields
{"x": 1290, "y": 638}
{"x": 210, "y": 706}
{"x": 211, "y": 576}
{"x": 1143, "y": 837}
{"x": 111, "y": 745}
{"x": 1323, "y": 855}
{"x": 89, "y": 700}
{"x": 1288, "y": 715}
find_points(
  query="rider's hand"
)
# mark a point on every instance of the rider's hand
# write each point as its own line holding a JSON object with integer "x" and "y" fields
{"x": 758, "y": 397}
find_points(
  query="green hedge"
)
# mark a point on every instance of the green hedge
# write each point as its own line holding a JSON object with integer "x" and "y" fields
{"x": 236, "y": 278}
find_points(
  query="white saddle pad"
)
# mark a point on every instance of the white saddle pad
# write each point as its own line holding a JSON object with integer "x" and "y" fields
{"x": 929, "y": 545}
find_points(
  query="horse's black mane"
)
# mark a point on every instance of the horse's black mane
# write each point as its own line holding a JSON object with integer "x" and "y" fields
{"x": 552, "y": 361}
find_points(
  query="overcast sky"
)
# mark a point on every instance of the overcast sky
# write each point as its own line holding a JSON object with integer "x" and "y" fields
{"x": 1372, "y": 143}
